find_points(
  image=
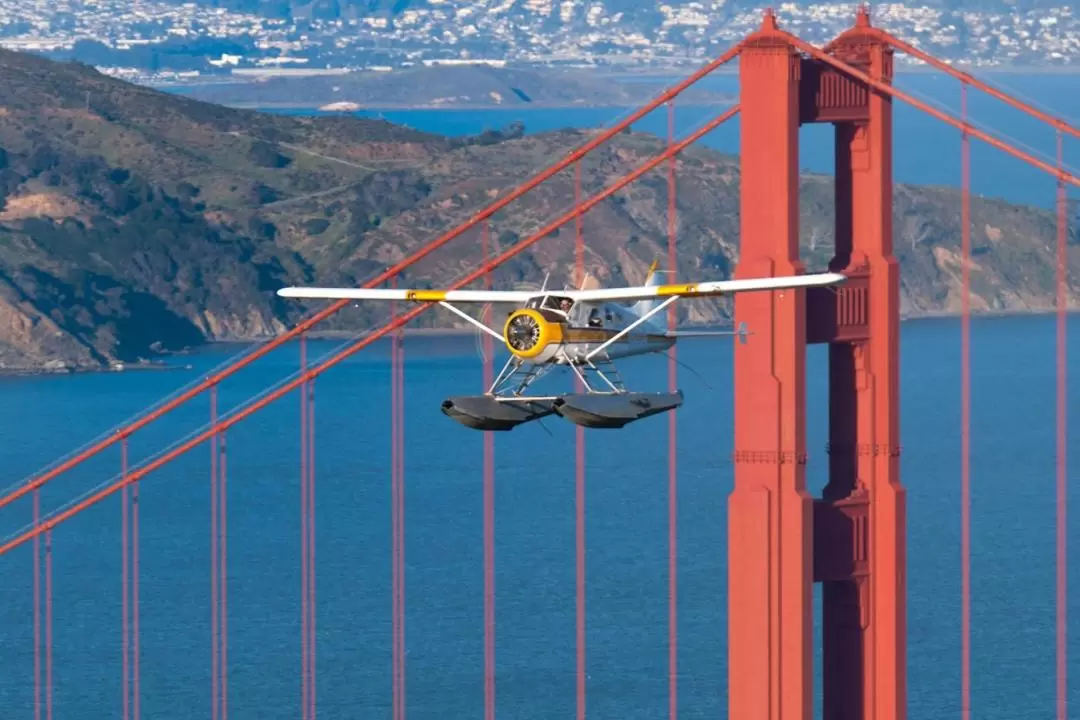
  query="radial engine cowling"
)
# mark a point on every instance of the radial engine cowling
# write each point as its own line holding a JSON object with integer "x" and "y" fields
{"x": 530, "y": 335}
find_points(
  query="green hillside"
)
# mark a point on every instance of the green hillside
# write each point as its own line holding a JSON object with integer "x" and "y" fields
{"x": 135, "y": 223}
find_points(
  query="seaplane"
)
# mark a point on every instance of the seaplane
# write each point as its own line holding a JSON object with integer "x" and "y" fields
{"x": 586, "y": 330}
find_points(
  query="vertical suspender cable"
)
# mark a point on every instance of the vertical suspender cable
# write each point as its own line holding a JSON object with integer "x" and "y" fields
{"x": 135, "y": 660}
{"x": 304, "y": 660}
{"x": 215, "y": 671}
{"x": 223, "y": 623}
{"x": 489, "y": 505}
{"x": 965, "y": 415}
{"x": 399, "y": 335}
{"x": 135, "y": 645}
{"x": 1062, "y": 437}
{"x": 312, "y": 694}
{"x": 125, "y": 562}
{"x": 396, "y": 709}
{"x": 37, "y": 608}
{"x": 580, "y": 473}
{"x": 395, "y": 481}
{"x": 673, "y": 635}
{"x": 48, "y": 626}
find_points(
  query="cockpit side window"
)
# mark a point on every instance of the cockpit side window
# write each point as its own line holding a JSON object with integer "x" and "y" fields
{"x": 555, "y": 302}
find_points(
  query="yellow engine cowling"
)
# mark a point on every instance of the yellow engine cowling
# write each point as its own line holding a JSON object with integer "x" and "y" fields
{"x": 532, "y": 336}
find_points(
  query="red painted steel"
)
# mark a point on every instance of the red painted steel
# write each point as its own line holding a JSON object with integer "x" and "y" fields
{"x": 820, "y": 55}
{"x": 391, "y": 272}
{"x": 223, "y": 597}
{"x": 853, "y": 538}
{"x": 965, "y": 414}
{"x": 579, "y": 476}
{"x": 967, "y": 79}
{"x": 305, "y": 677}
{"x": 48, "y": 627}
{"x": 489, "y": 503}
{"x": 312, "y": 665}
{"x": 401, "y": 518}
{"x": 769, "y": 510}
{"x": 215, "y": 555}
{"x": 673, "y": 516}
{"x": 1062, "y": 438}
{"x": 397, "y": 507}
{"x": 238, "y": 416}
{"x": 395, "y": 578}
{"x": 125, "y": 506}
{"x": 579, "y": 232}
{"x": 865, "y": 405}
{"x": 37, "y": 609}
{"x": 135, "y": 644}
{"x": 307, "y": 540}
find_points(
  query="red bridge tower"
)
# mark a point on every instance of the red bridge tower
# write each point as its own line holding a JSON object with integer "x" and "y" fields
{"x": 852, "y": 540}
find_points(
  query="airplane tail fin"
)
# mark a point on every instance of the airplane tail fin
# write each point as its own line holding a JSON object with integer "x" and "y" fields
{"x": 641, "y": 307}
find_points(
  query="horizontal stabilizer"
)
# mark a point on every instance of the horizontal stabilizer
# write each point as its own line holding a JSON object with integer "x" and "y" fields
{"x": 741, "y": 332}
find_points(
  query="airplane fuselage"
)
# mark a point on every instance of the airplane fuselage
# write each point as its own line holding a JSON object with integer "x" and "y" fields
{"x": 578, "y": 342}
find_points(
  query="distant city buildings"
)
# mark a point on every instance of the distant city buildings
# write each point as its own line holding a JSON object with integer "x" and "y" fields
{"x": 153, "y": 39}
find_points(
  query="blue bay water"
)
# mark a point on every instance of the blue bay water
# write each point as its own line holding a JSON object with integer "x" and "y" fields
{"x": 1013, "y": 537}
{"x": 1013, "y": 510}
{"x": 927, "y": 151}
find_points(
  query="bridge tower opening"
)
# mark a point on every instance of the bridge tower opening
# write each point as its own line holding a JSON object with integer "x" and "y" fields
{"x": 852, "y": 540}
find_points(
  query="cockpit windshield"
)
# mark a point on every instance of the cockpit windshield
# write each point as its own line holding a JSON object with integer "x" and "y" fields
{"x": 558, "y": 303}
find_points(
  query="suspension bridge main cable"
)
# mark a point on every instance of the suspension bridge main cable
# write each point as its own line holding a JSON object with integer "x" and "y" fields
{"x": 1060, "y": 123}
{"x": 46, "y": 526}
{"x": 880, "y": 86}
{"x": 392, "y": 271}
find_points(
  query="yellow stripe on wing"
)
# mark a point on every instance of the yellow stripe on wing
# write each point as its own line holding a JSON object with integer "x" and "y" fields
{"x": 669, "y": 290}
{"x": 425, "y": 295}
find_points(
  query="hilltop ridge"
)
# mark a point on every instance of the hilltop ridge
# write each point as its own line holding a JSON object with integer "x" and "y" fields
{"x": 135, "y": 223}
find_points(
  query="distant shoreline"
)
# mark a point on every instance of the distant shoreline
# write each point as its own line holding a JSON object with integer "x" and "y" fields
{"x": 171, "y": 364}
{"x": 662, "y": 78}
{"x": 408, "y": 108}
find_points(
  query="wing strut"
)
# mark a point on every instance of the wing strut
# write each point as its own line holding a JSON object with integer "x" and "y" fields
{"x": 633, "y": 325}
{"x": 473, "y": 320}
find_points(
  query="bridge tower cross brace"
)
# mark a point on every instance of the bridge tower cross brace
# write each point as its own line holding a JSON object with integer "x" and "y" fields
{"x": 853, "y": 538}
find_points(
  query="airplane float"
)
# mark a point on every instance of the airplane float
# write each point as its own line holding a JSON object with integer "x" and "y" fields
{"x": 586, "y": 330}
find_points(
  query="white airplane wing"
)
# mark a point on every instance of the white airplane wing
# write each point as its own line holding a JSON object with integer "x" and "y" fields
{"x": 458, "y": 296}
{"x": 702, "y": 289}
{"x": 705, "y": 289}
